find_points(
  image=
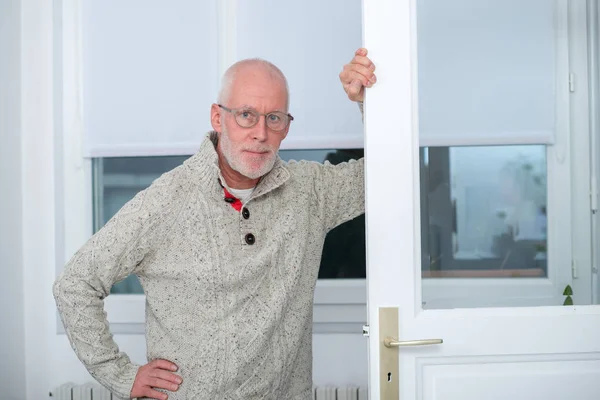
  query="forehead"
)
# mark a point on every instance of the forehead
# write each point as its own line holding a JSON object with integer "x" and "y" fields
{"x": 258, "y": 88}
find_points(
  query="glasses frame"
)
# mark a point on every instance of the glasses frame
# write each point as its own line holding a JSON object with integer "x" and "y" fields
{"x": 235, "y": 110}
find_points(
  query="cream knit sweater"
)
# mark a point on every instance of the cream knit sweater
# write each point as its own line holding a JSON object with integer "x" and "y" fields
{"x": 234, "y": 314}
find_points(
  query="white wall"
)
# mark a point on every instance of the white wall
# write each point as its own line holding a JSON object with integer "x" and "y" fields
{"x": 12, "y": 344}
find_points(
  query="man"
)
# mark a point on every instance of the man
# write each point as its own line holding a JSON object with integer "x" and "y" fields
{"x": 227, "y": 248}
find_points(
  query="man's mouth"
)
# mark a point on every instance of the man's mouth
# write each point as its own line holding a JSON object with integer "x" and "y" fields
{"x": 257, "y": 152}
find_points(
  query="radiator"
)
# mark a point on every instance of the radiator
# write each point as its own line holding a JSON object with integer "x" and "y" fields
{"x": 340, "y": 393}
{"x": 88, "y": 391}
{"x": 93, "y": 391}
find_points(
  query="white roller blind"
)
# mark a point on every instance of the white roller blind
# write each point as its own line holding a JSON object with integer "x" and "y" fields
{"x": 310, "y": 40}
{"x": 149, "y": 75}
{"x": 488, "y": 71}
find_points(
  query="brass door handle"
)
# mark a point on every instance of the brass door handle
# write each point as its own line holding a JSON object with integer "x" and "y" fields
{"x": 391, "y": 342}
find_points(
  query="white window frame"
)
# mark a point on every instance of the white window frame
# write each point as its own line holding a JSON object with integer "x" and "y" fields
{"x": 340, "y": 305}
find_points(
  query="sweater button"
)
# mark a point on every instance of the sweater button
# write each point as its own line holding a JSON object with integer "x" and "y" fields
{"x": 229, "y": 200}
{"x": 250, "y": 239}
{"x": 245, "y": 213}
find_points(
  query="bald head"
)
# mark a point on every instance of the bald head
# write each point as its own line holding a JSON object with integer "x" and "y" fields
{"x": 250, "y": 69}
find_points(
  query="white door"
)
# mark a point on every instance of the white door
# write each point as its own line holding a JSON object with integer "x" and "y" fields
{"x": 500, "y": 318}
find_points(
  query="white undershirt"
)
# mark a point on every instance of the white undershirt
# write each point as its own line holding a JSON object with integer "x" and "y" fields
{"x": 242, "y": 194}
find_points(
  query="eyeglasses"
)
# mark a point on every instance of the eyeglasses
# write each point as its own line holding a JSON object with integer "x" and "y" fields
{"x": 248, "y": 117}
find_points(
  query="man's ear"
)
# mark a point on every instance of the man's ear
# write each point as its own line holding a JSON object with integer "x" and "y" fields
{"x": 215, "y": 118}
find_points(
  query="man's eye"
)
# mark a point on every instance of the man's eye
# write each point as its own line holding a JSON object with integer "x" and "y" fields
{"x": 246, "y": 114}
{"x": 274, "y": 117}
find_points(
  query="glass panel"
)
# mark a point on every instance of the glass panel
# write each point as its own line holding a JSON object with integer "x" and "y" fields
{"x": 483, "y": 212}
{"x": 117, "y": 180}
{"x": 488, "y": 90}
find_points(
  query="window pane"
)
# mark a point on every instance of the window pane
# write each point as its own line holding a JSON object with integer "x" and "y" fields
{"x": 485, "y": 212}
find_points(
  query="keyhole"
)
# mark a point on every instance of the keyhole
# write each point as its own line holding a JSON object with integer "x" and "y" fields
{"x": 389, "y": 376}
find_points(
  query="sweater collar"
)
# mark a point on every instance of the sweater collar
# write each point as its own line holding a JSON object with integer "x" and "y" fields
{"x": 206, "y": 162}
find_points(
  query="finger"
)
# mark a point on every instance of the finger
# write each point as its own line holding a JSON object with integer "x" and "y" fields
{"x": 354, "y": 88}
{"x": 361, "y": 52}
{"x": 354, "y": 91}
{"x": 161, "y": 384}
{"x": 361, "y": 70}
{"x": 155, "y": 394}
{"x": 364, "y": 61}
{"x": 351, "y": 76}
{"x": 164, "y": 364}
{"x": 167, "y": 376}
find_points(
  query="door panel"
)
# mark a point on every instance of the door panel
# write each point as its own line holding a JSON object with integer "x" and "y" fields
{"x": 515, "y": 378}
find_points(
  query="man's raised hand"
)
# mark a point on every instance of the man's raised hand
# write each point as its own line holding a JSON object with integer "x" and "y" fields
{"x": 358, "y": 74}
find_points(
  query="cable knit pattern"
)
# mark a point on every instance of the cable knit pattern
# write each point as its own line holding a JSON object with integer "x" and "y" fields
{"x": 234, "y": 315}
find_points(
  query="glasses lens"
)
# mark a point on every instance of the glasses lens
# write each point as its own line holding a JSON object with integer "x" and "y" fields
{"x": 246, "y": 118}
{"x": 277, "y": 121}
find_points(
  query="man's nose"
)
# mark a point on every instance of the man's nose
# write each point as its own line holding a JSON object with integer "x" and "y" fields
{"x": 260, "y": 130}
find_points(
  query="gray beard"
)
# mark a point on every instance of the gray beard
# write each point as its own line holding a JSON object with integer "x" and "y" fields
{"x": 238, "y": 165}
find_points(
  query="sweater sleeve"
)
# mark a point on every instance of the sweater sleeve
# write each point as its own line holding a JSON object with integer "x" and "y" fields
{"x": 340, "y": 191}
{"x": 114, "y": 252}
